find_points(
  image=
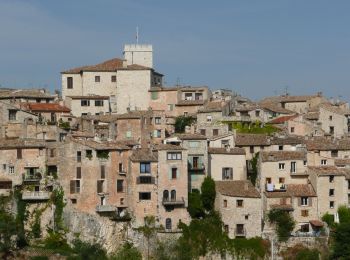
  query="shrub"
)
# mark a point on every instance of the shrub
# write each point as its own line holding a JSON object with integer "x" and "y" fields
{"x": 181, "y": 122}
{"x": 208, "y": 193}
{"x": 127, "y": 251}
{"x": 284, "y": 221}
{"x": 87, "y": 251}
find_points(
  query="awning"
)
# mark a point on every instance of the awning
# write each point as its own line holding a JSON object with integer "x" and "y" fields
{"x": 316, "y": 223}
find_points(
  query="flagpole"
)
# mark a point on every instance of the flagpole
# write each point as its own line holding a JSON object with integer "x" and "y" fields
{"x": 137, "y": 35}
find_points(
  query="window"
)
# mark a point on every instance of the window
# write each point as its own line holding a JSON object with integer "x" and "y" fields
{"x": 157, "y": 120}
{"x": 113, "y": 78}
{"x": 227, "y": 173}
{"x": 293, "y": 167}
{"x": 78, "y": 156}
{"x": 173, "y": 173}
{"x": 225, "y": 143}
{"x": 198, "y": 96}
{"x": 52, "y": 153}
{"x": 239, "y": 203}
{"x": 157, "y": 133}
{"x": 12, "y": 114}
{"x": 251, "y": 149}
{"x": 240, "y": 229}
{"x": 226, "y": 229}
{"x": 145, "y": 179}
{"x": 128, "y": 134}
{"x": 304, "y": 201}
{"x": 73, "y": 201}
{"x": 215, "y": 132}
{"x": 100, "y": 186}
{"x": 88, "y": 154}
{"x": 268, "y": 180}
{"x": 304, "y": 213}
{"x": 120, "y": 185}
{"x": 305, "y": 163}
{"x": 11, "y": 169}
{"x": 74, "y": 186}
{"x": 292, "y": 129}
{"x": 70, "y": 82}
{"x": 202, "y": 131}
{"x": 331, "y": 130}
{"x": 174, "y": 156}
{"x": 154, "y": 95}
{"x": 323, "y": 162}
{"x": 280, "y": 147}
{"x": 97, "y": 78}
{"x": 209, "y": 118}
{"x": 170, "y": 107}
{"x": 103, "y": 172}
{"x": 19, "y": 153}
{"x": 185, "y": 113}
{"x": 257, "y": 113}
{"x": 331, "y": 192}
{"x": 188, "y": 96}
{"x": 165, "y": 195}
{"x": 168, "y": 223}
{"x": 173, "y": 195}
{"x": 120, "y": 167}
{"x": 78, "y": 173}
{"x": 98, "y": 103}
{"x": 281, "y": 166}
{"x": 85, "y": 102}
{"x": 331, "y": 204}
{"x": 144, "y": 195}
{"x": 193, "y": 144}
{"x": 305, "y": 228}
{"x": 145, "y": 167}
{"x": 4, "y": 168}
{"x": 225, "y": 203}
{"x": 334, "y": 153}
{"x": 330, "y": 118}
{"x": 331, "y": 178}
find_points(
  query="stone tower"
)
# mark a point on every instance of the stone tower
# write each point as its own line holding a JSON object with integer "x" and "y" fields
{"x": 141, "y": 54}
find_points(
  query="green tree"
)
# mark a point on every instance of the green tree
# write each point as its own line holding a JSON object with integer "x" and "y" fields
{"x": 87, "y": 251}
{"x": 8, "y": 227}
{"x": 254, "y": 173}
{"x": 128, "y": 251}
{"x": 182, "y": 121}
{"x": 208, "y": 193}
{"x": 284, "y": 222}
{"x": 195, "y": 207}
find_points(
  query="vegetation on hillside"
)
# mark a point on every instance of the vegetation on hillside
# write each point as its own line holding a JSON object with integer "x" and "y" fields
{"x": 284, "y": 223}
{"x": 252, "y": 128}
{"x": 182, "y": 121}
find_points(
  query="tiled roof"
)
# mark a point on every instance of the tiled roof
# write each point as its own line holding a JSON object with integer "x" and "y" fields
{"x": 282, "y": 119}
{"x": 312, "y": 115}
{"x": 109, "y": 65}
{"x": 241, "y": 188}
{"x": 217, "y": 137}
{"x": 252, "y": 139}
{"x": 105, "y": 145}
{"x": 335, "y": 109}
{"x": 327, "y": 170}
{"x": 21, "y": 143}
{"x": 191, "y": 136}
{"x": 326, "y": 144}
{"x": 82, "y": 134}
{"x": 293, "y": 190}
{"x": 282, "y": 206}
{"x": 273, "y": 107}
{"x": 89, "y": 97}
{"x": 235, "y": 151}
{"x": 342, "y": 162}
{"x": 169, "y": 147}
{"x": 24, "y": 93}
{"x": 143, "y": 155}
{"x": 190, "y": 103}
{"x": 291, "y": 140}
{"x": 246, "y": 107}
{"x": 45, "y": 107}
{"x": 288, "y": 98}
{"x": 275, "y": 156}
{"x": 213, "y": 106}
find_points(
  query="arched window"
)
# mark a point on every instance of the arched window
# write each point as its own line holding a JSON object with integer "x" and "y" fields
{"x": 168, "y": 223}
{"x": 165, "y": 195}
{"x": 173, "y": 195}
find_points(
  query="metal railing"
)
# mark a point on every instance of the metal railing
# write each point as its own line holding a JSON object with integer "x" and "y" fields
{"x": 35, "y": 195}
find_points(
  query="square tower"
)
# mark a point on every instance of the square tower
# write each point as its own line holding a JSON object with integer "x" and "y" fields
{"x": 140, "y": 54}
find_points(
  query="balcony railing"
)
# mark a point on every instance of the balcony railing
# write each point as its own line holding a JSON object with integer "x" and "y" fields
{"x": 145, "y": 180}
{"x": 173, "y": 202}
{"x": 198, "y": 167}
{"x": 276, "y": 187}
{"x": 105, "y": 208}
{"x": 35, "y": 195}
{"x": 32, "y": 177}
{"x": 240, "y": 232}
{"x": 122, "y": 172}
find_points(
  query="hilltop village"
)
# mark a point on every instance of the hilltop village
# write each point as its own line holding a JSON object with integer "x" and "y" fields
{"x": 119, "y": 147}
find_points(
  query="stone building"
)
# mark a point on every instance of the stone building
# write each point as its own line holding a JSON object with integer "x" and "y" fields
{"x": 240, "y": 206}
{"x": 26, "y": 95}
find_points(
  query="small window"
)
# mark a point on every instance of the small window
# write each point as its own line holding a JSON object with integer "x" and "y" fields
{"x": 174, "y": 156}
{"x": 305, "y": 163}
{"x": 12, "y": 114}
{"x": 185, "y": 113}
{"x": 120, "y": 167}
{"x": 78, "y": 175}
{"x": 70, "y": 82}
{"x": 120, "y": 185}
{"x": 281, "y": 180}
{"x": 113, "y": 78}
{"x": 98, "y": 103}
{"x": 330, "y": 118}
{"x": 304, "y": 201}
{"x": 257, "y": 113}
{"x": 145, "y": 167}
{"x": 78, "y": 156}
{"x": 85, "y": 103}
{"x": 280, "y": 147}
{"x": 331, "y": 192}
{"x": 331, "y": 178}
{"x": 11, "y": 169}
{"x": 19, "y": 153}
{"x": 331, "y": 204}
{"x": 157, "y": 133}
{"x": 251, "y": 149}
{"x": 239, "y": 203}
{"x": 323, "y": 162}
{"x": 334, "y": 153}
{"x": 173, "y": 173}
{"x": 215, "y": 132}
{"x": 202, "y": 131}
{"x": 100, "y": 186}
{"x": 170, "y": 107}
{"x": 97, "y": 78}
{"x": 292, "y": 129}
{"x": 293, "y": 167}
{"x": 226, "y": 228}
{"x": 304, "y": 213}
{"x": 128, "y": 134}
{"x": 246, "y": 217}
{"x": 331, "y": 130}
{"x": 144, "y": 195}
{"x": 168, "y": 224}
{"x": 4, "y": 167}
{"x": 281, "y": 166}
{"x": 157, "y": 120}
{"x": 103, "y": 171}
{"x": 225, "y": 203}
{"x": 73, "y": 201}
{"x": 227, "y": 173}
{"x": 88, "y": 154}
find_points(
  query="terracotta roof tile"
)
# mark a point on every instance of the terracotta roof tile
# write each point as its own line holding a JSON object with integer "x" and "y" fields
{"x": 45, "y": 107}
{"x": 143, "y": 155}
{"x": 24, "y": 93}
{"x": 291, "y": 140}
{"x": 252, "y": 139}
{"x": 190, "y": 136}
{"x": 293, "y": 190}
{"x": 326, "y": 144}
{"x": 275, "y": 156}
{"x": 105, "y": 145}
{"x": 241, "y": 188}
{"x": 21, "y": 143}
{"x": 282, "y": 119}
{"x": 327, "y": 170}
{"x": 235, "y": 151}
{"x": 190, "y": 103}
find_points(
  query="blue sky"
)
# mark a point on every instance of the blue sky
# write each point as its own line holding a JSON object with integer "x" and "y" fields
{"x": 256, "y": 48}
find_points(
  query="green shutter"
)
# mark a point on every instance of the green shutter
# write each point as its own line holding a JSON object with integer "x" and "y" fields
{"x": 154, "y": 95}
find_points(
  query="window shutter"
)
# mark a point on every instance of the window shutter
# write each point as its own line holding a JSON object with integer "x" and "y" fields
{"x": 299, "y": 201}
{"x": 223, "y": 173}
{"x": 72, "y": 187}
{"x": 177, "y": 173}
{"x": 154, "y": 133}
{"x": 310, "y": 201}
{"x": 231, "y": 173}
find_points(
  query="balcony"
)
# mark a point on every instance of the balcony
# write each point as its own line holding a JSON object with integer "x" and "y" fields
{"x": 31, "y": 178}
{"x": 145, "y": 180}
{"x": 196, "y": 167}
{"x": 35, "y": 195}
{"x": 276, "y": 187}
{"x": 105, "y": 208}
{"x": 173, "y": 202}
{"x": 5, "y": 192}
{"x": 240, "y": 232}
{"x": 122, "y": 172}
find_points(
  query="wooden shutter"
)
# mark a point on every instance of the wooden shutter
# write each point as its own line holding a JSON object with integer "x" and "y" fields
{"x": 231, "y": 173}
{"x": 78, "y": 172}
{"x": 72, "y": 187}
{"x": 299, "y": 201}
{"x": 223, "y": 173}
{"x": 310, "y": 201}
